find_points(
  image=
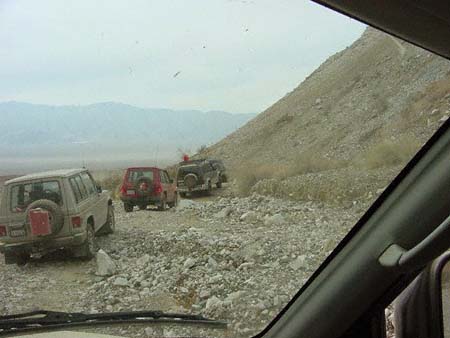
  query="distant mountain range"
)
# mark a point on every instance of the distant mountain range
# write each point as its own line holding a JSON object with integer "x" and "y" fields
{"x": 108, "y": 130}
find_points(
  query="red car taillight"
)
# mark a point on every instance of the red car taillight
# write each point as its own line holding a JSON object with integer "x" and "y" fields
{"x": 158, "y": 188}
{"x": 76, "y": 221}
{"x": 123, "y": 190}
{"x": 2, "y": 230}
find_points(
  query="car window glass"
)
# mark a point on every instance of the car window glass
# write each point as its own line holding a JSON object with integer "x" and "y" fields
{"x": 134, "y": 175}
{"x": 81, "y": 187}
{"x": 88, "y": 183}
{"x": 163, "y": 177}
{"x": 75, "y": 189}
{"x": 23, "y": 195}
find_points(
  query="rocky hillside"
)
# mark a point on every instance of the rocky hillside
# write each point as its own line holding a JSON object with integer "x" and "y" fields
{"x": 365, "y": 110}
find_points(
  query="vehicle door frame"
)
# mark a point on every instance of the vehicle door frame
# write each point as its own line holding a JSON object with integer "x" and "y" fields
{"x": 99, "y": 202}
{"x": 171, "y": 187}
{"x": 165, "y": 184}
{"x": 81, "y": 207}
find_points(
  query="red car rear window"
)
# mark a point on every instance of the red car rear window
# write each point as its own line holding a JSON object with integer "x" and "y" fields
{"x": 135, "y": 174}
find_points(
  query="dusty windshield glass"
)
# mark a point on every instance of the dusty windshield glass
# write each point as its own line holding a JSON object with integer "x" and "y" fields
{"x": 270, "y": 128}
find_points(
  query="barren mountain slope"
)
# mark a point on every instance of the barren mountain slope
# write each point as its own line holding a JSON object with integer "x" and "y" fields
{"x": 378, "y": 89}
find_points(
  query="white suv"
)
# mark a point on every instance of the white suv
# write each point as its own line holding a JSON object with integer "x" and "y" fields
{"x": 51, "y": 210}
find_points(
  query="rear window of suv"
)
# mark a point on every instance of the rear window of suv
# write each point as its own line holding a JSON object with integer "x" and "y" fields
{"x": 135, "y": 174}
{"x": 22, "y": 195}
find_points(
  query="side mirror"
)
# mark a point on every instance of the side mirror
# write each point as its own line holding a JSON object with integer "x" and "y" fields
{"x": 423, "y": 308}
{"x": 99, "y": 189}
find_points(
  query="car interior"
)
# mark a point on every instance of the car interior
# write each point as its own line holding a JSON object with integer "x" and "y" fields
{"x": 407, "y": 226}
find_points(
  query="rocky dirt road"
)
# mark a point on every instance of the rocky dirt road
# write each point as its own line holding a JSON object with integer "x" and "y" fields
{"x": 235, "y": 259}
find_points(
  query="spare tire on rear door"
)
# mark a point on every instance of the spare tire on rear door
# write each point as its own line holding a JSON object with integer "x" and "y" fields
{"x": 190, "y": 180}
{"x": 143, "y": 186}
{"x": 55, "y": 213}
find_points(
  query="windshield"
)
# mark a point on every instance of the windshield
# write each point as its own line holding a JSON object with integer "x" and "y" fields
{"x": 136, "y": 174}
{"x": 297, "y": 116}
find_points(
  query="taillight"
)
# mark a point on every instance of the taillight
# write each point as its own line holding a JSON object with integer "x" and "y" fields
{"x": 2, "y": 230}
{"x": 76, "y": 221}
{"x": 123, "y": 190}
{"x": 158, "y": 188}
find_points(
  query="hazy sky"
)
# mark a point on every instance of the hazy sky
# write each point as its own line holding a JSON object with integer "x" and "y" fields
{"x": 238, "y": 56}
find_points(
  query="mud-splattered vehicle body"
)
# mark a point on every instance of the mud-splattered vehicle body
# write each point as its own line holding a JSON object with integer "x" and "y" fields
{"x": 51, "y": 210}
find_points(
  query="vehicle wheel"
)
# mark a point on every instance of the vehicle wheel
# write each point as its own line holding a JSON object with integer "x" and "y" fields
{"x": 142, "y": 207}
{"x": 110, "y": 225}
{"x": 219, "y": 184}
{"x": 163, "y": 205}
{"x": 175, "y": 201}
{"x": 190, "y": 180}
{"x": 89, "y": 247}
{"x": 10, "y": 258}
{"x": 128, "y": 207}
{"x": 209, "y": 190}
{"x": 143, "y": 186}
{"x": 22, "y": 259}
{"x": 19, "y": 259}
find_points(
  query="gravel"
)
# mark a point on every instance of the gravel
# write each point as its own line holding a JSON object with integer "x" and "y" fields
{"x": 233, "y": 259}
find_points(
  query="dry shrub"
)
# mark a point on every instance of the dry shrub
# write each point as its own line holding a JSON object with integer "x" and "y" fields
{"x": 422, "y": 103}
{"x": 172, "y": 171}
{"x": 112, "y": 183}
{"x": 247, "y": 176}
{"x": 308, "y": 162}
{"x": 311, "y": 162}
{"x": 201, "y": 149}
{"x": 338, "y": 187}
{"x": 380, "y": 103}
{"x": 389, "y": 153}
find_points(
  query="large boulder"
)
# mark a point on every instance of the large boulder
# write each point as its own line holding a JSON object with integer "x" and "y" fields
{"x": 143, "y": 261}
{"x": 298, "y": 263}
{"x": 185, "y": 204}
{"x": 277, "y": 219}
{"x": 249, "y": 217}
{"x": 214, "y": 307}
{"x": 189, "y": 263}
{"x": 120, "y": 281}
{"x": 105, "y": 265}
{"x": 225, "y": 212}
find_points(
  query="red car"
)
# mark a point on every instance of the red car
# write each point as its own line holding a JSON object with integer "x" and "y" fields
{"x": 143, "y": 186}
